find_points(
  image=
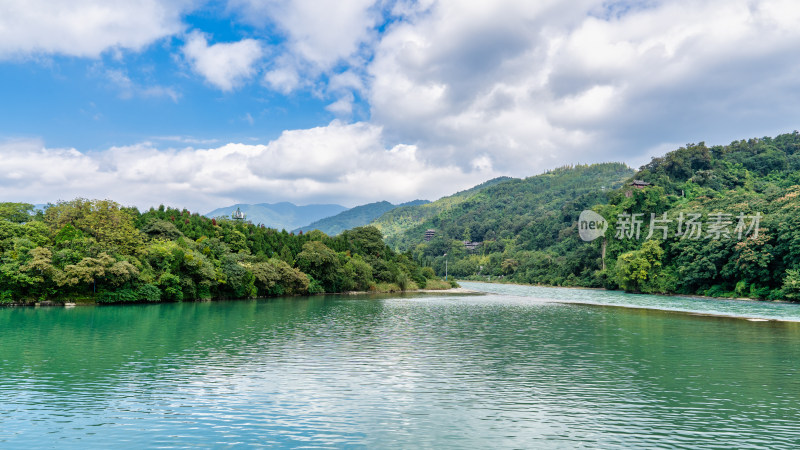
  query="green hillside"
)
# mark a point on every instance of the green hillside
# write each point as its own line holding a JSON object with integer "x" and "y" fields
{"x": 506, "y": 209}
{"x": 732, "y": 225}
{"x": 397, "y": 221}
{"x": 354, "y": 217}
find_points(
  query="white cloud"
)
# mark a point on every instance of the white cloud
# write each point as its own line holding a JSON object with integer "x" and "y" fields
{"x": 458, "y": 92}
{"x": 540, "y": 84}
{"x": 319, "y": 32}
{"x": 283, "y": 77}
{"x": 320, "y": 37}
{"x": 85, "y": 28}
{"x": 129, "y": 89}
{"x": 346, "y": 81}
{"x": 339, "y": 163}
{"x": 343, "y": 106}
{"x": 224, "y": 65}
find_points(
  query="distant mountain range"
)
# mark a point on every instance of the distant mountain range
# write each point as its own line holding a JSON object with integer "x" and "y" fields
{"x": 281, "y": 216}
{"x": 332, "y": 219}
{"x": 355, "y": 217}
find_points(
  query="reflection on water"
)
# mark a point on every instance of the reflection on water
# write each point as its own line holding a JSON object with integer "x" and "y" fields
{"x": 754, "y": 310}
{"x": 458, "y": 371}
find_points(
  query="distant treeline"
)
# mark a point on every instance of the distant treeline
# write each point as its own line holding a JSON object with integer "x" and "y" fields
{"x": 97, "y": 250}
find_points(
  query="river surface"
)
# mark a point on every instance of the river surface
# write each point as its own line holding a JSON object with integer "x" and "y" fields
{"x": 519, "y": 367}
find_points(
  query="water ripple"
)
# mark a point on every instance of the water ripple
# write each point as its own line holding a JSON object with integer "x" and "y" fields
{"x": 406, "y": 371}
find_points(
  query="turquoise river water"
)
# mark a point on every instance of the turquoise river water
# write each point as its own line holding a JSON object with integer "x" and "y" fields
{"x": 518, "y": 367}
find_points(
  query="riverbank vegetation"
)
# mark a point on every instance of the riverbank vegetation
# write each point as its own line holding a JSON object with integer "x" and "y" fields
{"x": 527, "y": 230}
{"x": 99, "y": 251}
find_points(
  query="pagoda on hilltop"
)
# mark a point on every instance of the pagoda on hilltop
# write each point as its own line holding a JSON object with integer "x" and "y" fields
{"x": 238, "y": 215}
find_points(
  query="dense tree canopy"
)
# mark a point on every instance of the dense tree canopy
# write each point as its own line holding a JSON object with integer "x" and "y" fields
{"x": 97, "y": 250}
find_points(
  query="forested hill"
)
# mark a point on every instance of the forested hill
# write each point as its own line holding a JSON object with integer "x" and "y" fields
{"x": 98, "y": 251}
{"x": 354, "y": 217}
{"x": 506, "y": 209}
{"x": 399, "y": 220}
{"x": 725, "y": 222}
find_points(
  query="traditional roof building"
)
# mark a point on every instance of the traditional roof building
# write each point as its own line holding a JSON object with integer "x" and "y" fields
{"x": 238, "y": 215}
{"x": 471, "y": 245}
{"x": 637, "y": 184}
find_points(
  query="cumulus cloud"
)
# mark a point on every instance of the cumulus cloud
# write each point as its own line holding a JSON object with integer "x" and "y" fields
{"x": 458, "y": 91}
{"x": 534, "y": 85}
{"x": 343, "y": 106}
{"x": 283, "y": 77}
{"x": 85, "y": 28}
{"x": 319, "y": 39}
{"x": 224, "y": 65}
{"x": 319, "y": 32}
{"x": 343, "y": 163}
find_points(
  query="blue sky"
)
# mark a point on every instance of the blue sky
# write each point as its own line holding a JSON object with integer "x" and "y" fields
{"x": 202, "y": 104}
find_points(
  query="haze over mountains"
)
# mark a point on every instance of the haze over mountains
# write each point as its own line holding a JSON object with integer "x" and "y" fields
{"x": 355, "y": 217}
{"x": 281, "y": 216}
{"x": 331, "y": 219}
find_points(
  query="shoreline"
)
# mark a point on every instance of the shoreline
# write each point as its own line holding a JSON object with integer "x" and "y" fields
{"x": 696, "y": 296}
{"x": 457, "y": 290}
{"x": 723, "y": 315}
{"x": 72, "y": 304}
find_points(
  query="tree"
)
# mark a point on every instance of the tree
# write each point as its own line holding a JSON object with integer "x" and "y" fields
{"x": 112, "y": 226}
{"x": 16, "y": 212}
{"x": 240, "y": 282}
{"x": 791, "y": 285}
{"x": 170, "y": 286}
{"x": 638, "y": 270}
{"x": 275, "y": 277}
{"x": 161, "y": 229}
{"x": 365, "y": 240}
{"x": 358, "y": 274}
{"x": 87, "y": 271}
{"x": 322, "y": 263}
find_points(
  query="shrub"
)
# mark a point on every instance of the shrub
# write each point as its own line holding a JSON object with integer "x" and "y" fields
{"x": 118, "y": 296}
{"x": 403, "y": 281}
{"x": 791, "y": 285}
{"x": 148, "y": 293}
{"x": 204, "y": 290}
{"x": 437, "y": 284}
{"x": 6, "y": 297}
{"x": 314, "y": 286}
{"x": 171, "y": 287}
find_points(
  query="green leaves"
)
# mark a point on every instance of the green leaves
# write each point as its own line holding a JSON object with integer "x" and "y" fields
{"x": 791, "y": 284}
{"x": 96, "y": 249}
{"x": 639, "y": 270}
{"x": 16, "y": 212}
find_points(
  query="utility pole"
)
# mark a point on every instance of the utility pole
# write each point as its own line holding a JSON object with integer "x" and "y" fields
{"x": 603, "y": 253}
